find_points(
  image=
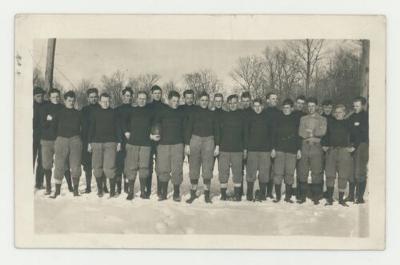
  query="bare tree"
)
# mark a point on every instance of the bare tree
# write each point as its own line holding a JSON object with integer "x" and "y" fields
{"x": 38, "y": 78}
{"x": 364, "y": 68}
{"x": 168, "y": 87}
{"x": 113, "y": 85}
{"x": 203, "y": 80}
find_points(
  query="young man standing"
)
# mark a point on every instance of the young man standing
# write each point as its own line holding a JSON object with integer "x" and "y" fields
{"x": 312, "y": 129}
{"x": 327, "y": 108}
{"x": 257, "y": 144}
{"x": 218, "y": 103}
{"x": 338, "y": 148}
{"x": 189, "y": 99}
{"x": 104, "y": 143}
{"x": 122, "y": 113}
{"x": 245, "y": 100}
{"x": 37, "y": 152}
{"x": 48, "y": 137}
{"x": 231, "y": 147}
{"x": 286, "y": 146}
{"x": 68, "y": 144}
{"x": 170, "y": 147}
{"x": 360, "y": 137}
{"x": 157, "y": 106}
{"x": 137, "y": 130}
{"x": 201, "y": 145}
{"x": 92, "y": 98}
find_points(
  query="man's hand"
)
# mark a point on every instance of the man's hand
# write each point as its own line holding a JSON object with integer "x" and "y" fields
{"x": 216, "y": 150}
{"x": 49, "y": 117}
{"x": 350, "y": 149}
{"x": 155, "y": 137}
{"x": 273, "y": 153}
{"x": 244, "y": 153}
{"x": 325, "y": 148}
{"x": 127, "y": 135}
{"x": 187, "y": 150}
{"x": 298, "y": 155}
{"x": 89, "y": 148}
{"x": 118, "y": 147}
{"x": 310, "y": 132}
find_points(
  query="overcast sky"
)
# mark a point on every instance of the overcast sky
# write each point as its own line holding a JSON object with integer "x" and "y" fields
{"x": 76, "y": 59}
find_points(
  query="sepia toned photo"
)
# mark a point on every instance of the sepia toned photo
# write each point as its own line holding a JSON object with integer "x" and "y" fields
{"x": 165, "y": 137}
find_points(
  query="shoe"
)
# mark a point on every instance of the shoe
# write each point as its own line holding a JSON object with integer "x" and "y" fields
{"x": 237, "y": 195}
{"x": 192, "y": 196}
{"x": 207, "y": 198}
{"x": 48, "y": 182}
{"x": 57, "y": 192}
{"x": 223, "y": 194}
{"x": 131, "y": 189}
{"x": 329, "y": 196}
{"x": 163, "y": 191}
{"x": 99, "y": 183}
{"x": 360, "y": 192}
{"x": 112, "y": 187}
{"x": 341, "y": 200}
{"x": 277, "y": 193}
{"x": 288, "y": 193}
{"x": 76, "y": 187}
{"x": 249, "y": 193}
{"x": 350, "y": 197}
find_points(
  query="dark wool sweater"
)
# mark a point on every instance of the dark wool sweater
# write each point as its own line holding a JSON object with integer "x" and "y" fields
{"x": 37, "y": 108}
{"x": 171, "y": 123}
{"x": 272, "y": 113}
{"x": 298, "y": 114}
{"x": 49, "y": 128}
{"x": 258, "y": 132}
{"x": 359, "y": 128}
{"x": 138, "y": 123}
{"x": 231, "y": 131}
{"x": 203, "y": 123}
{"x": 69, "y": 122}
{"x": 87, "y": 116}
{"x": 286, "y": 133}
{"x": 123, "y": 111}
{"x": 104, "y": 126}
{"x": 337, "y": 134}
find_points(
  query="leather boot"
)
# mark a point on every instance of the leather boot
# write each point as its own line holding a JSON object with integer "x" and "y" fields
{"x": 316, "y": 193}
{"x": 192, "y": 196}
{"x": 360, "y": 192}
{"x": 131, "y": 189}
{"x": 341, "y": 200}
{"x": 237, "y": 197}
{"x": 112, "y": 187}
{"x": 88, "y": 176}
{"x": 223, "y": 194}
{"x": 277, "y": 193}
{"x": 159, "y": 187}
{"x": 99, "y": 182}
{"x": 302, "y": 192}
{"x": 163, "y": 190}
{"x": 67, "y": 175}
{"x": 143, "y": 193}
{"x": 288, "y": 193}
{"x": 261, "y": 194}
{"x": 118, "y": 183}
{"x": 126, "y": 185}
{"x": 48, "y": 182}
{"x": 176, "y": 197}
{"x": 58, "y": 191}
{"x": 76, "y": 186}
{"x": 105, "y": 189}
{"x": 207, "y": 198}
{"x": 329, "y": 196}
{"x": 249, "y": 194}
{"x": 270, "y": 187}
{"x": 350, "y": 197}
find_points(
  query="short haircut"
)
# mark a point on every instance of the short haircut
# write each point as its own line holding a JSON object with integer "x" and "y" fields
{"x": 54, "y": 90}
{"x": 173, "y": 93}
{"x": 246, "y": 94}
{"x": 69, "y": 94}
{"x": 105, "y": 95}
{"x": 301, "y": 97}
{"x": 229, "y": 99}
{"x": 327, "y": 102}
{"x": 288, "y": 101}
{"x": 218, "y": 95}
{"x": 270, "y": 94}
{"x": 155, "y": 88}
{"x": 362, "y": 100}
{"x": 340, "y": 106}
{"x": 188, "y": 92}
{"x": 258, "y": 100}
{"x": 142, "y": 92}
{"x": 92, "y": 90}
{"x": 204, "y": 94}
{"x": 312, "y": 100}
{"x": 127, "y": 89}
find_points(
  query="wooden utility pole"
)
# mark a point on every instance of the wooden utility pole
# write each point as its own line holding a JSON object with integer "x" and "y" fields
{"x": 364, "y": 64}
{"x": 48, "y": 77}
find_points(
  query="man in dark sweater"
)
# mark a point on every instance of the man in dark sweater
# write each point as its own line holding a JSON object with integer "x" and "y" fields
{"x": 257, "y": 143}
{"x": 338, "y": 148}
{"x": 360, "y": 137}
{"x": 137, "y": 128}
{"x": 92, "y": 98}
{"x": 170, "y": 146}
{"x": 122, "y": 113}
{"x": 286, "y": 145}
{"x": 272, "y": 111}
{"x": 68, "y": 145}
{"x": 201, "y": 145}
{"x": 48, "y": 137}
{"x": 104, "y": 143}
{"x": 231, "y": 148}
{"x": 157, "y": 106}
{"x": 218, "y": 110}
{"x": 37, "y": 153}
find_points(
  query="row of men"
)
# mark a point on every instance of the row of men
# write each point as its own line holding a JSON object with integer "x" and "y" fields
{"x": 270, "y": 143}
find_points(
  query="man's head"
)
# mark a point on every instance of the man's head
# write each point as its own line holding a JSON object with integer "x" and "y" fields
{"x": 105, "y": 100}
{"x": 287, "y": 106}
{"x": 156, "y": 93}
{"x": 127, "y": 94}
{"x": 69, "y": 99}
{"x": 204, "y": 98}
{"x": 141, "y": 98}
{"x": 233, "y": 102}
{"x": 258, "y": 105}
{"x": 312, "y": 104}
{"x": 359, "y": 104}
{"x": 54, "y": 96}
{"x": 38, "y": 95}
{"x": 188, "y": 97}
{"x": 92, "y": 95}
{"x": 300, "y": 102}
{"x": 218, "y": 100}
{"x": 272, "y": 99}
{"x": 245, "y": 99}
{"x": 173, "y": 99}
{"x": 327, "y": 107}
{"x": 340, "y": 112}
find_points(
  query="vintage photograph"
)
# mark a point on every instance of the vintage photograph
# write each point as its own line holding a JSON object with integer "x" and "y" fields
{"x": 164, "y": 136}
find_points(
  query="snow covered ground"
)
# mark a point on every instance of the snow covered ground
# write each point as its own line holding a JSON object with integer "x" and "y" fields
{"x": 90, "y": 214}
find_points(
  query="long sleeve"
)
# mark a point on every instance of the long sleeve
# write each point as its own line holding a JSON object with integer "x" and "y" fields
{"x": 325, "y": 138}
{"x": 118, "y": 129}
{"x": 320, "y": 130}
{"x": 246, "y": 133}
{"x": 302, "y": 128}
{"x": 188, "y": 128}
{"x": 216, "y": 129}
{"x": 92, "y": 128}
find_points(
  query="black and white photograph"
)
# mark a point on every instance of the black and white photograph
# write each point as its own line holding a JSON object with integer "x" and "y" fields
{"x": 204, "y": 137}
